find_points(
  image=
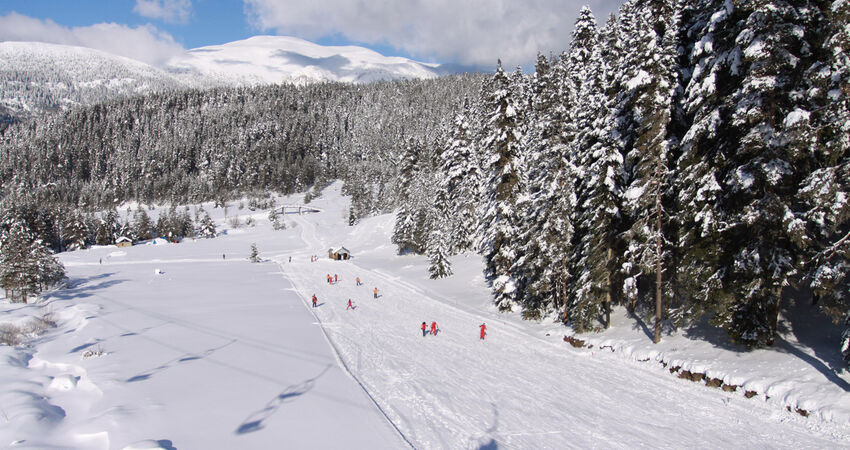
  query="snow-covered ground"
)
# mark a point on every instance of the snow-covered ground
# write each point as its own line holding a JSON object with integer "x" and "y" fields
{"x": 192, "y": 346}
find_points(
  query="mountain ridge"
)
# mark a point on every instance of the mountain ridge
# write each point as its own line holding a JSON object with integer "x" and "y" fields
{"x": 37, "y": 77}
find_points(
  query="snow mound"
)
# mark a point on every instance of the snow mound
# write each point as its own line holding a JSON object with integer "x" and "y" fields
{"x": 65, "y": 382}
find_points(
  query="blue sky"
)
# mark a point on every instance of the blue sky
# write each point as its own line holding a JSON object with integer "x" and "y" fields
{"x": 466, "y": 32}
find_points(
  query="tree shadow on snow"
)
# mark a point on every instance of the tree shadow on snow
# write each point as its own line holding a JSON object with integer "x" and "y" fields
{"x": 82, "y": 287}
{"x": 171, "y": 363}
{"x": 491, "y": 444}
{"x": 639, "y": 323}
{"x": 255, "y": 422}
{"x": 814, "y": 331}
{"x": 782, "y": 345}
{"x": 716, "y": 336}
{"x": 166, "y": 444}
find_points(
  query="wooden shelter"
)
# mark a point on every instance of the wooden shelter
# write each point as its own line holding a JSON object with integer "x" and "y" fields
{"x": 339, "y": 255}
{"x": 124, "y": 241}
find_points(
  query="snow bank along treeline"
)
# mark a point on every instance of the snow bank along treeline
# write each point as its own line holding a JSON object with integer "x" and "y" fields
{"x": 688, "y": 160}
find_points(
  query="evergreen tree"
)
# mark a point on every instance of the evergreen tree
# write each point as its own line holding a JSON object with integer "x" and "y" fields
{"x": 142, "y": 226}
{"x": 598, "y": 156}
{"x": 254, "y": 256}
{"x": 461, "y": 182}
{"x": 408, "y": 231}
{"x": 825, "y": 194}
{"x": 501, "y": 144}
{"x": 652, "y": 86}
{"x": 75, "y": 231}
{"x": 27, "y": 266}
{"x": 206, "y": 229}
{"x": 438, "y": 239}
{"x": 768, "y": 164}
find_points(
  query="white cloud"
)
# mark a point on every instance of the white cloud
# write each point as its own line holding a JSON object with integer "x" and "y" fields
{"x": 474, "y": 32}
{"x": 171, "y": 11}
{"x": 144, "y": 43}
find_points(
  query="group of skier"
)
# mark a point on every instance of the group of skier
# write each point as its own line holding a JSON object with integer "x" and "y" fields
{"x": 434, "y": 329}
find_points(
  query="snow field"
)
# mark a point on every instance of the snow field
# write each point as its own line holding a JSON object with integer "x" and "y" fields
{"x": 221, "y": 353}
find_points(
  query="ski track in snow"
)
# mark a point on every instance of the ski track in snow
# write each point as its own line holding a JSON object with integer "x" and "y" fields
{"x": 455, "y": 391}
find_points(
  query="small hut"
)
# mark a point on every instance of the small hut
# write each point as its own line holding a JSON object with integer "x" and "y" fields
{"x": 123, "y": 241}
{"x": 339, "y": 255}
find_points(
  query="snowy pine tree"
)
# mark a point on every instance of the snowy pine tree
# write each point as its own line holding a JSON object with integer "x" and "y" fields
{"x": 651, "y": 88}
{"x": 206, "y": 228}
{"x": 767, "y": 167}
{"x": 825, "y": 194}
{"x": 599, "y": 182}
{"x": 501, "y": 144}
{"x": 142, "y": 226}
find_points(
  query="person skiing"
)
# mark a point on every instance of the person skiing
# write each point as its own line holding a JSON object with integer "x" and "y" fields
{"x": 358, "y": 281}
{"x": 329, "y": 278}
{"x": 376, "y": 292}
{"x": 424, "y": 329}
{"x": 350, "y": 306}
{"x": 336, "y": 278}
{"x": 290, "y": 259}
{"x": 434, "y": 328}
{"x": 314, "y": 300}
{"x": 483, "y": 330}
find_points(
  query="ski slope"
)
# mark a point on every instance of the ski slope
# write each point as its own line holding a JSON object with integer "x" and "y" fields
{"x": 203, "y": 349}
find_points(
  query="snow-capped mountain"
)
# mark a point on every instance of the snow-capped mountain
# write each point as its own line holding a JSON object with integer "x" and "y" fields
{"x": 281, "y": 59}
{"x": 37, "y": 77}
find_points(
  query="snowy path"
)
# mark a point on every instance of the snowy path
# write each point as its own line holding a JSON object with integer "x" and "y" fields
{"x": 514, "y": 390}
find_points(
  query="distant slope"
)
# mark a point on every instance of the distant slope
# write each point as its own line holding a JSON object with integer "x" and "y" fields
{"x": 36, "y": 77}
{"x": 281, "y": 59}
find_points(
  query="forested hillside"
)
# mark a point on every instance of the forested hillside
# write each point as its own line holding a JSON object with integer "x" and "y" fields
{"x": 202, "y": 144}
{"x": 37, "y": 77}
{"x": 687, "y": 159}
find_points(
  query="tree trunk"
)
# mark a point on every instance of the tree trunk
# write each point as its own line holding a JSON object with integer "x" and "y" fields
{"x": 657, "y": 337}
{"x": 773, "y": 316}
{"x": 563, "y": 290}
{"x": 608, "y": 299}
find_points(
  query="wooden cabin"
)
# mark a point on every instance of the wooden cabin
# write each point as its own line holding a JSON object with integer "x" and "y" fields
{"x": 123, "y": 241}
{"x": 339, "y": 255}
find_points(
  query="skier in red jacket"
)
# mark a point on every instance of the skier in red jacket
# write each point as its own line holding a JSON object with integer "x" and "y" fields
{"x": 424, "y": 329}
{"x": 483, "y": 330}
{"x": 314, "y": 300}
{"x": 434, "y": 328}
{"x": 350, "y": 306}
